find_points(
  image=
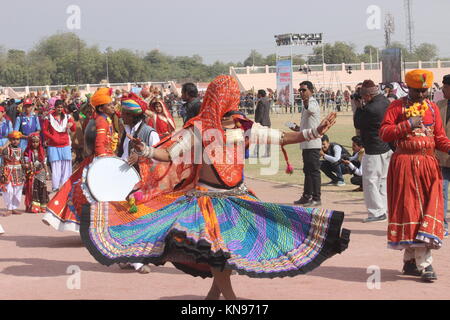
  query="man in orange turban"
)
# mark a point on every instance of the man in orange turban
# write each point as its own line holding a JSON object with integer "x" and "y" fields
{"x": 419, "y": 79}
{"x": 101, "y": 140}
{"x": 414, "y": 126}
{"x": 101, "y": 97}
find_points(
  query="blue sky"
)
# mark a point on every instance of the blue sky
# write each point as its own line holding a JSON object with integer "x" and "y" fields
{"x": 218, "y": 30}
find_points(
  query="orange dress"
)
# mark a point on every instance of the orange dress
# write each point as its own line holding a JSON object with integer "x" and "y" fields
{"x": 414, "y": 186}
{"x": 64, "y": 209}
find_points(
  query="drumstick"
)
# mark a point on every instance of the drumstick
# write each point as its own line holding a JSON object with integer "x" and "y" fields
{"x": 133, "y": 138}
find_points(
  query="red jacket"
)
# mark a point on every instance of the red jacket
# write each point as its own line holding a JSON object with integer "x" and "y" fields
{"x": 104, "y": 138}
{"x": 55, "y": 138}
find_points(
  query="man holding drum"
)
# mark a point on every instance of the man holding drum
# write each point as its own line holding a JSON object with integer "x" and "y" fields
{"x": 64, "y": 210}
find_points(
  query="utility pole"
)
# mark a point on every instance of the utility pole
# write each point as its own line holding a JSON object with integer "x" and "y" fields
{"x": 409, "y": 25}
{"x": 78, "y": 60}
{"x": 389, "y": 29}
{"x": 107, "y": 66}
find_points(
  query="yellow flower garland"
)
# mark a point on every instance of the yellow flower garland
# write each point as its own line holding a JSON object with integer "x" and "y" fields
{"x": 416, "y": 109}
{"x": 114, "y": 138}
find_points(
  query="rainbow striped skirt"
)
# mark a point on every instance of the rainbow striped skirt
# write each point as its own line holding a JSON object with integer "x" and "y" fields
{"x": 202, "y": 229}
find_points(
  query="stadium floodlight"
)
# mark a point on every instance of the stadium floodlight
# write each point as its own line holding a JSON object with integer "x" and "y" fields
{"x": 299, "y": 39}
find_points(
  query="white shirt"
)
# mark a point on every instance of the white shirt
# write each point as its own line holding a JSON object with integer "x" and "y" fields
{"x": 152, "y": 140}
{"x": 311, "y": 120}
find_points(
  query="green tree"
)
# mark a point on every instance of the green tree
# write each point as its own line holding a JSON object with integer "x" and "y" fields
{"x": 369, "y": 51}
{"x": 254, "y": 59}
{"x": 339, "y": 52}
{"x": 271, "y": 60}
{"x": 125, "y": 66}
{"x": 426, "y": 52}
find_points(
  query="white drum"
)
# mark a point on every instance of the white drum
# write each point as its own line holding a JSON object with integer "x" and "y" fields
{"x": 110, "y": 179}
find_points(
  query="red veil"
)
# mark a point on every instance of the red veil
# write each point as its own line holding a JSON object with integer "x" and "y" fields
{"x": 167, "y": 114}
{"x": 29, "y": 151}
{"x": 28, "y": 188}
{"x": 222, "y": 96}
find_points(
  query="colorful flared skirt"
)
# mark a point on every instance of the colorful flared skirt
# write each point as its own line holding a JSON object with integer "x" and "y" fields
{"x": 200, "y": 230}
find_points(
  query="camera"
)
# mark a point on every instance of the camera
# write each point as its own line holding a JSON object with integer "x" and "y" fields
{"x": 356, "y": 96}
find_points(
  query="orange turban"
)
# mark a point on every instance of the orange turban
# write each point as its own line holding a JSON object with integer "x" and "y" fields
{"x": 15, "y": 135}
{"x": 101, "y": 96}
{"x": 419, "y": 79}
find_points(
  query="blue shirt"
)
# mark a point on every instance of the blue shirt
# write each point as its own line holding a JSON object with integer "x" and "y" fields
{"x": 5, "y": 128}
{"x": 27, "y": 124}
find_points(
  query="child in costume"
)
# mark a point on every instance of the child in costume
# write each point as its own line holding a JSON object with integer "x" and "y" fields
{"x": 200, "y": 216}
{"x": 13, "y": 177}
{"x": 36, "y": 194}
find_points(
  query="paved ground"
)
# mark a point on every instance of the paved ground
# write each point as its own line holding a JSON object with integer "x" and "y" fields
{"x": 35, "y": 263}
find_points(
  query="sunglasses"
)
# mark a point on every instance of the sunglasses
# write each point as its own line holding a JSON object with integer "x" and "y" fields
{"x": 303, "y": 90}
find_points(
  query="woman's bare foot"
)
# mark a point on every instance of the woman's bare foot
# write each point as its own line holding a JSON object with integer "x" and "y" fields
{"x": 17, "y": 213}
{"x": 223, "y": 282}
{"x": 214, "y": 292}
{"x": 5, "y": 214}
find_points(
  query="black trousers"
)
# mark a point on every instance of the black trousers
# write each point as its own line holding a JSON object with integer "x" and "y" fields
{"x": 334, "y": 171}
{"x": 311, "y": 169}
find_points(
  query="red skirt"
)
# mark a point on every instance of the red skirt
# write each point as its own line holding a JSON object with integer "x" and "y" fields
{"x": 415, "y": 201}
{"x": 64, "y": 209}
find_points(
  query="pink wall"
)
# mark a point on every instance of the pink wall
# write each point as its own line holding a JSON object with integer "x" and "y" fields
{"x": 330, "y": 79}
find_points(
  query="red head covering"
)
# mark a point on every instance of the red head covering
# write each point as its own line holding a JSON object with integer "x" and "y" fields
{"x": 221, "y": 97}
{"x": 166, "y": 112}
{"x": 29, "y": 151}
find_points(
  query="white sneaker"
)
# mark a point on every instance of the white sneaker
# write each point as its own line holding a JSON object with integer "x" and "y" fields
{"x": 376, "y": 219}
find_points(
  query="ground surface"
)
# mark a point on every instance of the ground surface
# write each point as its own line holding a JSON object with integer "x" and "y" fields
{"x": 35, "y": 263}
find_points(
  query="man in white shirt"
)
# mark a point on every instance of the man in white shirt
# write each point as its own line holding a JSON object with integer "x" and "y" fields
{"x": 310, "y": 149}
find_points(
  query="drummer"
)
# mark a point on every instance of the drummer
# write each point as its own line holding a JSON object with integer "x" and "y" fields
{"x": 64, "y": 210}
{"x": 133, "y": 116}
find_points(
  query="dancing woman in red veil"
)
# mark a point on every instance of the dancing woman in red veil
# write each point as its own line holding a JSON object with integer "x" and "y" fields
{"x": 199, "y": 215}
